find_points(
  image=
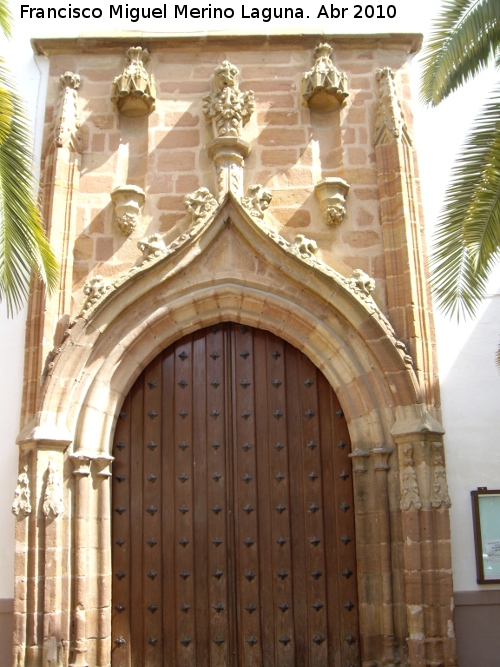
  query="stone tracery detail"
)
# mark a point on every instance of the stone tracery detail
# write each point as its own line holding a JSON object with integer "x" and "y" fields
{"x": 439, "y": 493}
{"x": 410, "y": 498}
{"x": 257, "y": 200}
{"x": 133, "y": 91}
{"x": 389, "y": 121}
{"x": 324, "y": 87}
{"x": 67, "y": 123}
{"x": 22, "y": 504}
{"x": 53, "y": 501}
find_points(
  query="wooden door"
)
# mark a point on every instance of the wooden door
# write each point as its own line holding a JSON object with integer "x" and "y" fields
{"x": 233, "y": 523}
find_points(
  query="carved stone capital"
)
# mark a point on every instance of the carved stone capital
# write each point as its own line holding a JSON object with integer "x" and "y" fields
{"x": 66, "y": 122}
{"x": 360, "y": 459}
{"x": 389, "y": 120}
{"x": 257, "y": 200}
{"x": 133, "y": 91}
{"x": 127, "y": 200}
{"x": 324, "y": 88}
{"x": 331, "y": 193}
{"x": 21, "y": 504}
{"x": 380, "y": 457}
{"x": 53, "y": 500}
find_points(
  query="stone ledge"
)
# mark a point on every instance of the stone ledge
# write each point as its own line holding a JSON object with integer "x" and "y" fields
{"x": 116, "y": 42}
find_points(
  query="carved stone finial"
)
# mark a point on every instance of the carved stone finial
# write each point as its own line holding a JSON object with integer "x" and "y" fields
{"x": 133, "y": 91}
{"x": 94, "y": 290}
{"x": 361, "y": 283}
{"x": 200, "y": 205}
{"x": 331, "y": 193}
{"x": 409, "y": 487}
{"x": 151, "y": 248}
{"x": 257, "y": 200}
{"x": 389, "y": 121}
{"x": 229, "y": 110}
{"x": 304, "y": 246}
{"x": 128, "y": 200}
{"x": 324, "y": 88}
{"x": 21, "y": 504}
{"x": 66, "y": 123}
{"x": 53, "y": 501}
{"x": 227, "y": 107}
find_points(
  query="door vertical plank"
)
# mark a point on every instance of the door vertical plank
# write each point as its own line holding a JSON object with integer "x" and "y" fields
{"x": 198, "y": 483}
{"x": 151, "y": 539}
{"x": 263, "y": 544}
{"x": 247, "y": 511}
{"x": 184, "y": 574}
{"x": 170, "y": 603}
{"x": 297, "y": 446}
{"x": 121, "y": 536}
{"x": 137, "y": 516}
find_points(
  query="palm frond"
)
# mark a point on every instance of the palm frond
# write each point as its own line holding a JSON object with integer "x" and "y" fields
{"x": 23, "y": 244}
{"x": 466, "y": 39}
{"x": 5, "y": 19}
{"x": 467, "y": 238}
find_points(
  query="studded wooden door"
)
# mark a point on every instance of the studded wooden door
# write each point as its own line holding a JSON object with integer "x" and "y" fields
{"x": 233, "y": 510}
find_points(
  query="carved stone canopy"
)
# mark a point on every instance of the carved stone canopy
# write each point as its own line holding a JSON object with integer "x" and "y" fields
{"x": 133, "y": 92}
{"x": 331, "y": 193}
{"x": 324, "y": 88}
{"x": 128, "y": 200}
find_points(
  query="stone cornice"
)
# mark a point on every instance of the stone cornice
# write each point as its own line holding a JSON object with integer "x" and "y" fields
{"x": 117, "y": 41}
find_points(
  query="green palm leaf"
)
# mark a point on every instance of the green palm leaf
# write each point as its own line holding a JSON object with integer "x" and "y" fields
{"x": 23, "y": 244}
{"x": 467, "y": 238}
{"x": 5, "y": 19}
{"x": 467, "y": 37}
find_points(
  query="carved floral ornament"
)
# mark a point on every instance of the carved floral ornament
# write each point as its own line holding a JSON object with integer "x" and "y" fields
{"x": 22, "y": 504}
{"x": 227, "y": 107}
{"x": 133, "y": 91}
{"x": 324, "y": 88}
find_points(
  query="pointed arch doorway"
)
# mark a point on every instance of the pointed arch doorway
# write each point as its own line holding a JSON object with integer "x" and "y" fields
{"x": 233, "y": 521}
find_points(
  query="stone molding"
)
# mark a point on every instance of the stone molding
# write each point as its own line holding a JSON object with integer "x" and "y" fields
{"x": 324, "y": 88}
{"x": 133, "y": 92}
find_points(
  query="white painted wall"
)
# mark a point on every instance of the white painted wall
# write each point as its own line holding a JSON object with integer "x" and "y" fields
{"x": 470, "y": 381}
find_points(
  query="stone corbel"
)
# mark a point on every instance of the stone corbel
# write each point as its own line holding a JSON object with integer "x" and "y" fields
{"x": 229, "y": 110}
{"x": 324, "y": 88}
{"x": 331, "y": 194}
{"x": 133, "y": 91}
{"x": 128, "y": 200}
